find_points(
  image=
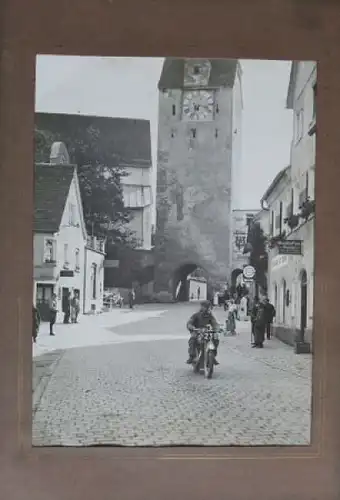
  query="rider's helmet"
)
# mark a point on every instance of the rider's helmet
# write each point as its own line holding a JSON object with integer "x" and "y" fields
{"x": 205, "y": 305}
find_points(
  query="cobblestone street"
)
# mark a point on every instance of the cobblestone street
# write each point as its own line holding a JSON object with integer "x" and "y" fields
{"x": 138, "y": 390}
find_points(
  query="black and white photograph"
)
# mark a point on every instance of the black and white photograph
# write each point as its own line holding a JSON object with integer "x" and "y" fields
{"x": 173, "y": 244}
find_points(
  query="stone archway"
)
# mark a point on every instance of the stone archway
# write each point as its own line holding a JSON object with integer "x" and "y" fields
{"x": 180, "y": 285}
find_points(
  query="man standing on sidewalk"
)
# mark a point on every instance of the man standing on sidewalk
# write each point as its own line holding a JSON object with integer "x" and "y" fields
{"x": 131, "y": 298}
{"x": 269, "y": 315}
{"x": 36, "y": 323}
{"x": 53, "y": 312}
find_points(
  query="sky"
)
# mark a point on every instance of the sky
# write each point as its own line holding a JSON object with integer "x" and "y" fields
{"x": 127, "y": 87}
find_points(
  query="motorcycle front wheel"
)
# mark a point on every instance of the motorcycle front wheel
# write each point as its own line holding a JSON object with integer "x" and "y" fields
{"x": 197, "y": 364}
{"x": 210, "y": 364}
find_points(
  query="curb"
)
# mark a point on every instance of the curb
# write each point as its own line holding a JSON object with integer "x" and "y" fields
{"x": 38, "y": 393}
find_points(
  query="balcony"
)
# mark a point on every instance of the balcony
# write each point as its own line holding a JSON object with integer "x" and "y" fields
{"x": 46, "y": 271}
{"x": 96, "y": 244}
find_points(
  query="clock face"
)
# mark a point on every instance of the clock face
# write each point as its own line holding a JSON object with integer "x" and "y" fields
{"x": 198, "y": 105}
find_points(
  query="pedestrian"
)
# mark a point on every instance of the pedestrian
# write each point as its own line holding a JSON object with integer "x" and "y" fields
{"x": 131, "y": 298}
{"x": 253, "y": 314}
{"x": 36, "y": 323}
{"x": 53, "y": 312}
{"x": 75, "y": 308}
{"x": 67, "y": 308}
{"x": 243, "y": 309}
{"x": 215, "y": 299}
{"x": 231, "y": 320}
{"x": 260, "y": 326}
{"x": 270, "y": 314}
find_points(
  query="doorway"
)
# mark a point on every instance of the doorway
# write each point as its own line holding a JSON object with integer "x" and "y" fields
{"x": 65, "y": 299}
{"x": 304, "y": 297}
{"x": 43, "y": 298}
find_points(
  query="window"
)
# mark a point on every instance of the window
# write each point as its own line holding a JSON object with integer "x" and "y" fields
{"x": 216, "y": 132}
{"x": 278, "y": 220}
{"x": 306, "y": 184}
{"x": 275, "y": 296}
{"x": 283, "y": 301}
{"x": 314, "y": 99}
{"x": 173, "y": 110}
{"x": 272, "y": 219}
{"x": 72, "y": 214}
{"x": 66, "y": 255}
{"x": 94, "y": 281}
{"x": 292, "y": 201}
{"x": 217, "y": 109}
{"x": 299, "y": 125}
{"x": 77, "y": 255}
{"x": 172, "y": 133}
{"x": 196, "y": 70}
{"x": 193, "y": 133}
{"x": 49, "y": 250}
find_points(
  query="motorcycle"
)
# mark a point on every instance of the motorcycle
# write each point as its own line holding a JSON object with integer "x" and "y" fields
{"x": 204, "y": 361}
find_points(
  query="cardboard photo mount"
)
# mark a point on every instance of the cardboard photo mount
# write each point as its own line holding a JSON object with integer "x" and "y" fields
{"x": 256, "y": 29}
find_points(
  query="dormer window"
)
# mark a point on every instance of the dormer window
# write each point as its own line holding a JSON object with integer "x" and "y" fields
{"x": 197, "y": 70}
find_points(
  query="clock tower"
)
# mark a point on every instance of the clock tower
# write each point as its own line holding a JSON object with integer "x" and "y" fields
{"x": 199, "y": 127}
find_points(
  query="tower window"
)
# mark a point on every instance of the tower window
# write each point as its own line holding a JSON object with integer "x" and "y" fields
{"x": 172, "y": 133}
{"x": 193, "y": 133}
{"x": 173, "y": 110}
{"x": 217, "y": 109}
{"x": 216, "y": 132}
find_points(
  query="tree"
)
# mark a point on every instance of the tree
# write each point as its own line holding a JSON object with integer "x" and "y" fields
{"x": 258, "y": 258}
{"x": 99, "y": 174}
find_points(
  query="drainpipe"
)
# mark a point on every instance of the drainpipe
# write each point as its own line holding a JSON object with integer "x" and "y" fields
{"x": 84, "y": 281}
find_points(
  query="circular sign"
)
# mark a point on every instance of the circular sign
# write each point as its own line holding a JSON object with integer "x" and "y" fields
{"x": 249, "y": 272}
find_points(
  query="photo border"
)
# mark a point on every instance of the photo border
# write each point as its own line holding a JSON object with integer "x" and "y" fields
{"x": 257, "y": 29}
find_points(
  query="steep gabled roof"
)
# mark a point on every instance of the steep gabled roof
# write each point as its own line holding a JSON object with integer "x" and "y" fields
{"x": 275, "y": 182}
{"x": 292, "y": 84}
{"x": 52, "y": 187}
{"x": 128, "y": 139}
{"x": 222, "y": 74}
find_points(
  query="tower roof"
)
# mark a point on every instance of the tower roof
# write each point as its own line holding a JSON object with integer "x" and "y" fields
{"x": 222, "y": 74}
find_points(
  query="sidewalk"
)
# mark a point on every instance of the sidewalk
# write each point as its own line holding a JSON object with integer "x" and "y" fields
{"x": 90, "y": 331}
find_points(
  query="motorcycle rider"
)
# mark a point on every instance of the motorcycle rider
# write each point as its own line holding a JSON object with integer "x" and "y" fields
{"x": 201, "y": 319}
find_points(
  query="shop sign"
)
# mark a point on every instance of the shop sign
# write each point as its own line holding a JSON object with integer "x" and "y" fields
{"x": 290, "y": 247}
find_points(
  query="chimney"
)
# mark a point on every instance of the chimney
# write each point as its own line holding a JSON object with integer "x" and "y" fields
{"x": 59, "y": 154}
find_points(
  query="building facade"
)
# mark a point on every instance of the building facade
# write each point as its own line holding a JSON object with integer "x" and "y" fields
{"x": 199, "y": 121}
{"x": 241, "y": 221}
{"x": 123, "y": 142}
{"x": 94, "y": 275}
{"x": 291, "y": 204}
{"x": 60, "y": 238}
{"x": 138, "y": 198}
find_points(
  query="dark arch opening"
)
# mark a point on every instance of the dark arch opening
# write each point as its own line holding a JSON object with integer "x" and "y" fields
{"x": 234, "y": 275}
{"x": 180, "y": 284}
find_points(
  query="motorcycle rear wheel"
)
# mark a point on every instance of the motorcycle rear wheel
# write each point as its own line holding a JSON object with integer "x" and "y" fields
{"x": 210, "y": 364}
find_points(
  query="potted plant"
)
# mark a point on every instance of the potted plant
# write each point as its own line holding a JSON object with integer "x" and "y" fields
{"x": 307, "y": 208}
{"x": 292, "y": 221}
